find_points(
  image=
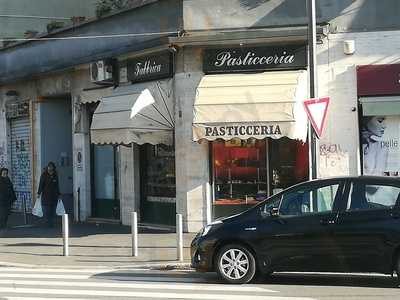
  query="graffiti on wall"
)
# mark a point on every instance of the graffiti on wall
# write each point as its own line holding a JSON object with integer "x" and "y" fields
{"x": 333, "y": 160}
{"x": 21, "y": 175}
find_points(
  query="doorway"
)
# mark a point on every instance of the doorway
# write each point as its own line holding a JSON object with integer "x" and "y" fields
{"x": 56, "y": 143}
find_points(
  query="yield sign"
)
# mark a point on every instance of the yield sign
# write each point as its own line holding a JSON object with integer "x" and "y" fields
{"x": 316, "y": 110}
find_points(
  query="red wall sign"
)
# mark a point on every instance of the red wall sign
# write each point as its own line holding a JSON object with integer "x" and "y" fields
{"x": 375, "y": 80}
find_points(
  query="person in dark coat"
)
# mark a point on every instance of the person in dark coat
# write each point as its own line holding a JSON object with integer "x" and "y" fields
{"x": 50, "y": 192}
{"x": 7, "y": 197}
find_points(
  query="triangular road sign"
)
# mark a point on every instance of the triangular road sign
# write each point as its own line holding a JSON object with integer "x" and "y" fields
{"x": 316, "y": 110}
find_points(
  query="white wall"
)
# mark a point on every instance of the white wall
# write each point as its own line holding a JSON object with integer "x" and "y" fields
{"x": 339, "y": 146}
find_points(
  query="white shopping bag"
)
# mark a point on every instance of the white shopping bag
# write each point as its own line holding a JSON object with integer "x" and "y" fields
{"x": 60, "y": 210}
{"x": 37, "y": 209}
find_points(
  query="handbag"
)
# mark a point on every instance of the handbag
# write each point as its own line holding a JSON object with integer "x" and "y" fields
{"x": 37, "y": 209}
{"x": 60, "y": 210}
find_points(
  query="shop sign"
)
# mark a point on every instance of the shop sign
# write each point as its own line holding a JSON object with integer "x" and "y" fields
{"x": 242, "y": 130}
{"x": 152, "y": 67}
{"x": 254, "y": 59}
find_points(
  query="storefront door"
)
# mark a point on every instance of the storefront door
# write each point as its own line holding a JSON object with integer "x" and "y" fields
{"x": 21, "y": 163}
{"x": 158, "y": 184}
{"x": 246, "y": 172}
{"x": 105, "y": 202}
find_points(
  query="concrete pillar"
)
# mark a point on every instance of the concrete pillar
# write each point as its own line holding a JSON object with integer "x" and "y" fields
{"x": 129, "y": 182}
{"x": 192, "y": 158}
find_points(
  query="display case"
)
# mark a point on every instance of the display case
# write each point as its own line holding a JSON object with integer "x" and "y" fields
{"x": 240, "y": 175}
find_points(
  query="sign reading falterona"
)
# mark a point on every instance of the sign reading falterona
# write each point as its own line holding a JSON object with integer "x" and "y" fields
{"x": 254, "y": 59}
{"x": 151, "y": 67}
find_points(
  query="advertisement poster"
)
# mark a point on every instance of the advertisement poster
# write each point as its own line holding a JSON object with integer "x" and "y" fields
{"x": 381, "y": 145}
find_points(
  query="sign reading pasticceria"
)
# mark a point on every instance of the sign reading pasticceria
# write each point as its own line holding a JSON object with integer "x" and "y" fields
{"x": 152, "y": 67}
{"x": 244, "y": 131}
{"x": 254, "y": 59}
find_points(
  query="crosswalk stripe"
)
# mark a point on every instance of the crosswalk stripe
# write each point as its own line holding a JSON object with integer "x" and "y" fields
{"x": 161, "y": 295}
{"x": 108, "y": 277}
{"x": 48, "y": 270}
{"x": 133, "y": 285}
{"x": 38, "y": 298}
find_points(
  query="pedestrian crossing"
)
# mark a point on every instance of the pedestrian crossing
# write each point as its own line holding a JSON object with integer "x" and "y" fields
{"x": 77, "y": 284}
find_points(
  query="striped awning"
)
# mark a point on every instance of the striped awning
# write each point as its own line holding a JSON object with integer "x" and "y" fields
{"x": 139, "y": 113}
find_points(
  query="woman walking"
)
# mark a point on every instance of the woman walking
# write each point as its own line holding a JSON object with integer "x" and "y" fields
{"x": 49, "y": 191}
{"x": 7, "y": 197}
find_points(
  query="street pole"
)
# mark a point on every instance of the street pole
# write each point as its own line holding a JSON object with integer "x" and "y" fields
{"x": 179, "y": 237}
{"x": 65, "y": 227}
{"x": 312, "y": 58}
{"x": 134, "y": 232}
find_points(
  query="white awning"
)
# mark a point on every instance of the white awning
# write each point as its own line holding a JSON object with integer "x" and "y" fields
{"x": 95, "y": 95}
{"x": 139, "y": 113}
{"x": 381, "y": 106}
{"x": 246, "y": 106}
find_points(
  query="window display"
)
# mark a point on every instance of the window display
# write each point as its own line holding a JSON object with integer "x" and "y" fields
{"x": 240, "y": 174}
{"x": 380, "y": 145}
{"x": 246, "y": 172}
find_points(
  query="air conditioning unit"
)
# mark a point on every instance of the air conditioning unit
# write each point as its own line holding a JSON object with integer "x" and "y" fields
{"x": 101, "y": 71}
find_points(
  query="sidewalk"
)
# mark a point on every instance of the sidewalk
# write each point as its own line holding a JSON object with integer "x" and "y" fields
{"x": 91, "y": 245}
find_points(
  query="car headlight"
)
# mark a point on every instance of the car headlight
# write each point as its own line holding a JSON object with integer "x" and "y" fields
{"x": 207, "y": 228}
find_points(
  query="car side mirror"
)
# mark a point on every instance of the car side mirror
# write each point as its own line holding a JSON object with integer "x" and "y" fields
{"x": 272, "y": 212}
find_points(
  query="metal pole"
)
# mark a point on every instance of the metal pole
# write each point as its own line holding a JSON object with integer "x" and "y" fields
{"x": 134, "y": 231}
{"x": 65, "y": 228}
{"x": 312, "y": 45}
{"x": 179, "y": 237}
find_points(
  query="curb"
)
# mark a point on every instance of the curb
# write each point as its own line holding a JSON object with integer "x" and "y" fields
{"x": 164, "y": 266}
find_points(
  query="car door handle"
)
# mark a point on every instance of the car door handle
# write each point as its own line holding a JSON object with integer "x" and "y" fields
{"x": 327, "y": 222}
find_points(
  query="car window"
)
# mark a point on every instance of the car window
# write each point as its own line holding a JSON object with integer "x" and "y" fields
{"x": 305, "y": 201}
{"x": 364, "y": 196}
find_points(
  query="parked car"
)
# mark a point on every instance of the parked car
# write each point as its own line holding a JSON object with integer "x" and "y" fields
{"x": 349, "y": 224}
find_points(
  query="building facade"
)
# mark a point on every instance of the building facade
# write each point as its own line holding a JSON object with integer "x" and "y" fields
{"x": 202, "y": 112}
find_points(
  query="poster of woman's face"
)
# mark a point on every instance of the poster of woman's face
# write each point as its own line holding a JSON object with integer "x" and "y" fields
{"x": 380, "y": 145}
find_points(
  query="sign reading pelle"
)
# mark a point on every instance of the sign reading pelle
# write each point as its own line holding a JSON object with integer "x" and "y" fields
{"x": 152, "y": 67}
{"x": 254, "y": 59}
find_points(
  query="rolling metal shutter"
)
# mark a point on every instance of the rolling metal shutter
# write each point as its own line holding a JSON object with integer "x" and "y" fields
{"x": 21, "y": 163}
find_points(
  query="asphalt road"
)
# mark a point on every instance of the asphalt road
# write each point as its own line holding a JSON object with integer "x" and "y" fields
{"x": 95, "y": 283}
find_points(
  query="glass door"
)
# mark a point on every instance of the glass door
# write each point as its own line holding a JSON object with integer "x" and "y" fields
{"x": 105, "y": 202}
{"x": 158, "y": 201}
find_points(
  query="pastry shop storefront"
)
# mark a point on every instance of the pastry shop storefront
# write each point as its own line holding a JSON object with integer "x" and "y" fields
{"x": 249, "y": 108}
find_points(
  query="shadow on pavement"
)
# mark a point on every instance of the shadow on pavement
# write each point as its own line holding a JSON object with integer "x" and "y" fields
{"x": 155, "y": 276}
{"x": 309, "y": 279}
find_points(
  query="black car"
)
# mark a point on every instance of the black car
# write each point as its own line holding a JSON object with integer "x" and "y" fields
{"x": 349, "y": 224}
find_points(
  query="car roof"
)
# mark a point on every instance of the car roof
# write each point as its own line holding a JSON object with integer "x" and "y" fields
{"x": 360, "y": 177}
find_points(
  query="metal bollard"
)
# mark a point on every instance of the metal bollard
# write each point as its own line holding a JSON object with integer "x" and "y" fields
{"x": 134, "y": 231}
{"x": 179, "y": 237}
{"x": 65, "y": 228}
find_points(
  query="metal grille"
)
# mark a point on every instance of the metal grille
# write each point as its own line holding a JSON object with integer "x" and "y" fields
{"x": 21, "y": 163}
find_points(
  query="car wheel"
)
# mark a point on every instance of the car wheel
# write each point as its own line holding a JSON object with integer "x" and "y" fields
{"x": 235, "y": 264}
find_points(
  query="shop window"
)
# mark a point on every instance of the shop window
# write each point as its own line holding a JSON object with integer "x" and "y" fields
{"x": 246, "y": 172}
{"x": 288, "y": 163}
{"x": 240, "y": 175}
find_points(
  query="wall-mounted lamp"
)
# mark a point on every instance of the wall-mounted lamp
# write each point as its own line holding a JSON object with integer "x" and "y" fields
{"x": 349, "y": 47}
